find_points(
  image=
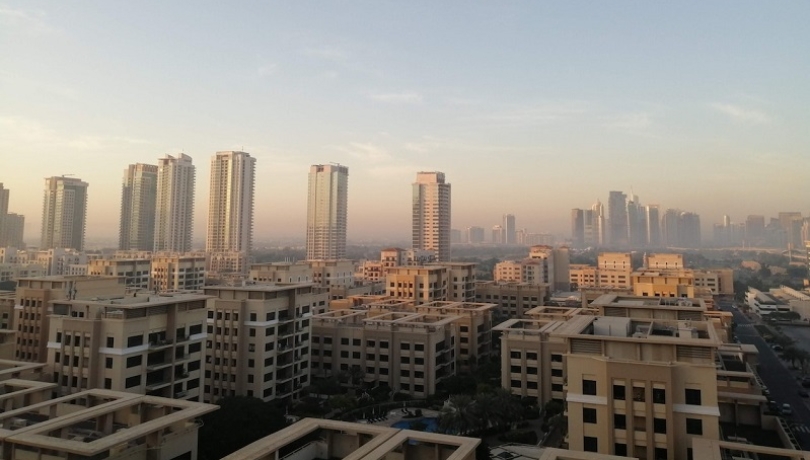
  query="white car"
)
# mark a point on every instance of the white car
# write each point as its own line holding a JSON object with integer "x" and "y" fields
{"x": 786, "y": 409}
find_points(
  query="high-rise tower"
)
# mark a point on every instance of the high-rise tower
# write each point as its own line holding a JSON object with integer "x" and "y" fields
{"x": 431, "y": 214}
{"x": 64, "y": 213}
{"x": 617, "y": 219}
{"x": 138, "y": 194}
{"x": 509, "y": 230}
{"x": 230, "y": 209}
{"x": 327, "y": 204}
{"x": 653, "y": 225}
{"x": 174, "y": 208}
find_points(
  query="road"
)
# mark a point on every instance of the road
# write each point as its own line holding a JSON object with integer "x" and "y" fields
{"x": 781, "y": 383}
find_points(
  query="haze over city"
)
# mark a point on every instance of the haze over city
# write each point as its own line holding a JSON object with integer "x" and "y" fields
{"x": 528, "y": 109}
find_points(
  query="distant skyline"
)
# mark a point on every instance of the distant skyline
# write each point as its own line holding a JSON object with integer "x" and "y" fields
{"x": 530, "y": 109}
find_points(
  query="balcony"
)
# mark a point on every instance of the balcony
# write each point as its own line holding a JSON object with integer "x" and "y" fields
{"x": 158, "y": 384}
{"x": 157, "y": 366}
{"x": 159, "y": 344}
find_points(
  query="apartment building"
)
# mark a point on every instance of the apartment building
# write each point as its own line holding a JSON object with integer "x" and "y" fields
{"x": 408, "y": 352}
{"x": 259, "y": 340}
{"x": 529, "y": 271}
{"x": 513, "y": 300}
{"x": 461, "y": 281}
{"x": 474, "y": 329}
{"x": 663, "y": 283}
{"x": 370, "y": 270}
{"x": 178, "y": 272}
{"x": 328, "y": 273}
{"x": 556, "y": 263}
{"x": 145, "y": 343}
{"x": 663, "y": 261}
{"x": 282, "y": 272}
{"x": 636, "y": 386}
{"x": 102, "y": 424}
{"x": 313, "y": 439}
{"x": 31, "y": 310}
{"x": 134, "y": 271}
{"x": 421, "y": 284}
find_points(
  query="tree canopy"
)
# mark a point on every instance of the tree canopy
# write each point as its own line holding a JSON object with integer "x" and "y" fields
{"x": 239, "y": 421}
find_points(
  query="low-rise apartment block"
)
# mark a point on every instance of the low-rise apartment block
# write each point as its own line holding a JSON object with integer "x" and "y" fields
{"x": 102, "y": 424}
{"x": 31, "y": 309}
{"x": 315, "y": 439}
{"x": 178, "y": 272}
{"x": 134, "y": 271}
{"x": 420, "y": 284}
{"x": 408, "y": 352}
{"x": 146, "y": 343}
{"x": 513, "y": 300}
{"x": 328, "y": 273}
{"x": 259, "y": 340}
{"x": 281, "y": 272}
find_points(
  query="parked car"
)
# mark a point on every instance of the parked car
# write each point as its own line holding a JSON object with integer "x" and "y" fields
{"x": 803, "y": 394}
{"x": 786, "y": 409}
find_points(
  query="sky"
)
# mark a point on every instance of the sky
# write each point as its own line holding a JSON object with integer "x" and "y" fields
{"x": 530, "y": 108}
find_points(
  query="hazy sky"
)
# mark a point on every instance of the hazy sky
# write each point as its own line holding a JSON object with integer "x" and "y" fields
{"x": 528, "y": 107}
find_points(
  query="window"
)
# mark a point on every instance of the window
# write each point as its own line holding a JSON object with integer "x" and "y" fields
{"x": 556, "y": 358}
{"x": 356, "y": 342}
{"x": 110, "y": 342}
{"x": 134, "y": 341}
{"x": 133, "y": 361}
{"x": 659, "y": 396}
{"x": 660, "y": 425}
{"x": 556, "y": 372}
{"x": 531, "y": 356}
{"x": 694, "y": 426}
{"x": 108, "y": 384}
{"x": 620, "y": 421}
{"x": 108, "y": 363}
{"x": 588, "y": 415}
{"x": 383, "y": 344}
{"x": 589, "y": 388}
{"x": 660, "y": 453}
{"x": 344, "y": 341}
{"x": 618, "y": 392}
{"x": 590, "y": 444}
{"x": 639, "y": 394}
{"x": 135, "y": 381}
{"x": 692, "y": 396}
{"x": 515, "y": 384}
{"x": 195, "y": 329}
{"x": 620, "y": 449}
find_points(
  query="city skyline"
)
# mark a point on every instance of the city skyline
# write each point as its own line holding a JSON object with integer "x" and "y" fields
{"x": 712, "y": 101}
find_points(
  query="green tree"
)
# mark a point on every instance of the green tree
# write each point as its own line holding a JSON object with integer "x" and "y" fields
{"x": 239, "y": 421}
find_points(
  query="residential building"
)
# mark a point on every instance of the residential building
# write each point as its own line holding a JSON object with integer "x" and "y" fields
{"x": 230, "y": 212}
{"x": 328, "y": 273}
{"x": 663, "y": 261}
{"x": 11, "y": 234}
{"x": 474, "y": 235}
{"x": 333, "y": 439}
{"x": 653, "y": 225}
{"x": 431, "y": 214}
{"x": 663, "y": 283}
{"x": 174, "y": 208}
{"x": 395, "y": 257}
{"x": 636, "y": 223}
{"x": 509, "y": 230}
{"x": 461, "y": 281}
{"x": 145, "y": 343}
{"x": 497, "y": 234}
{"x": 32, "y": 307}
{"x": 423, "y": 284}
{"x": 578, "y": 228}
{"x": 138, "y": 198}
{"x": 408, "y": 352}
{"x": 474, "y": 329}
{"x": 259, "y": 340}
{"x": 134, "y": 271}
{"x": 513, "y": 300}
{"x": 617, "y": 220}
{"x": 327, "y": 204}
{"x": 101, "y": 424}
{"x": 64, "y": 213}
{"x": 282, "y": 272}
{"x": 178, "y": 272}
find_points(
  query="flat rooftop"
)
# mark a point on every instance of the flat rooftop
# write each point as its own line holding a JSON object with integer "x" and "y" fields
{"x": 662, "y": 331}
{"x": 269, "y": 287}
{"x": 631, "y": 301}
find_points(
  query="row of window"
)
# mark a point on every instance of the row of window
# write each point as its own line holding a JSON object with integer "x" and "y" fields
{"x": 692, "y": 396}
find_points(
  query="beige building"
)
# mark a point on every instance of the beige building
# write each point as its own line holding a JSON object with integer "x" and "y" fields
{"x": 474, "y": 329}
{"x": 408, "y": 352}
{"x": 328, "y": 273}
{"x": 663, "y": 283}
{"x": 313, "y": 439}
{"x": 259, "y": 340}
{"x": 529, "y": 271}
{"x": 31, "y": 309}
{"x": 134, "y": 271}
{"x": 327, "y": 203}
{"x": 663, "y": 261}
{"x": 147, "y": 344}
{"x": 282, "y": 272}
{"x": 461, "y": 281}
{"x": 178, "y": 272}
{"x": 370, "y": 270}
{"x": 421, "y": 284}
{"x": 431, "y": 214}
{"x": 556, "y": 264}
{"x": 102, "y": 424}
{"x": 513, "y": 300}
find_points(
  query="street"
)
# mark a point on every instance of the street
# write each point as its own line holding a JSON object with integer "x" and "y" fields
{"x": 780, "y": 381}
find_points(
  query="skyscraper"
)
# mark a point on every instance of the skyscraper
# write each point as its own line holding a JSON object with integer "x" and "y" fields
{"x": 11, "y": 225}
{"x": 138, "y": 194}
{"x": 599, "y": 225}
{"x": 327, "y": 204}
{"x": 4, "y": 196}
{"x": 64, "y": 213}
{"x": 509, "y": 231}
{"x": 636, "y": 223}
{"x": 617, "y": 219}
{"x": 174, "y": 208}
{"x": 578, "y": 227}
{"x": 653, "y": 225}
{"x": 431, "y": 214}
{"x": 230, "y": 208}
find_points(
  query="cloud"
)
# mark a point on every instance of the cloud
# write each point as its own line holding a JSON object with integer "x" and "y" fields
{"x": 329, "y": 53}
{"x": 19, "y": 130}
{"x": 398, "y": 98}
{"x": 366, "y": 152}
{"x": 741, "y": 114}
{"x": 266, "y": 70}
{"x": 540, "y": 114}
{"x": 30, "y": 22}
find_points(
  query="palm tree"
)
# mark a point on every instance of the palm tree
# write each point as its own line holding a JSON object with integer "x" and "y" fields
{"x": 497, "y": 408}
{"x": 458, "y": 416}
